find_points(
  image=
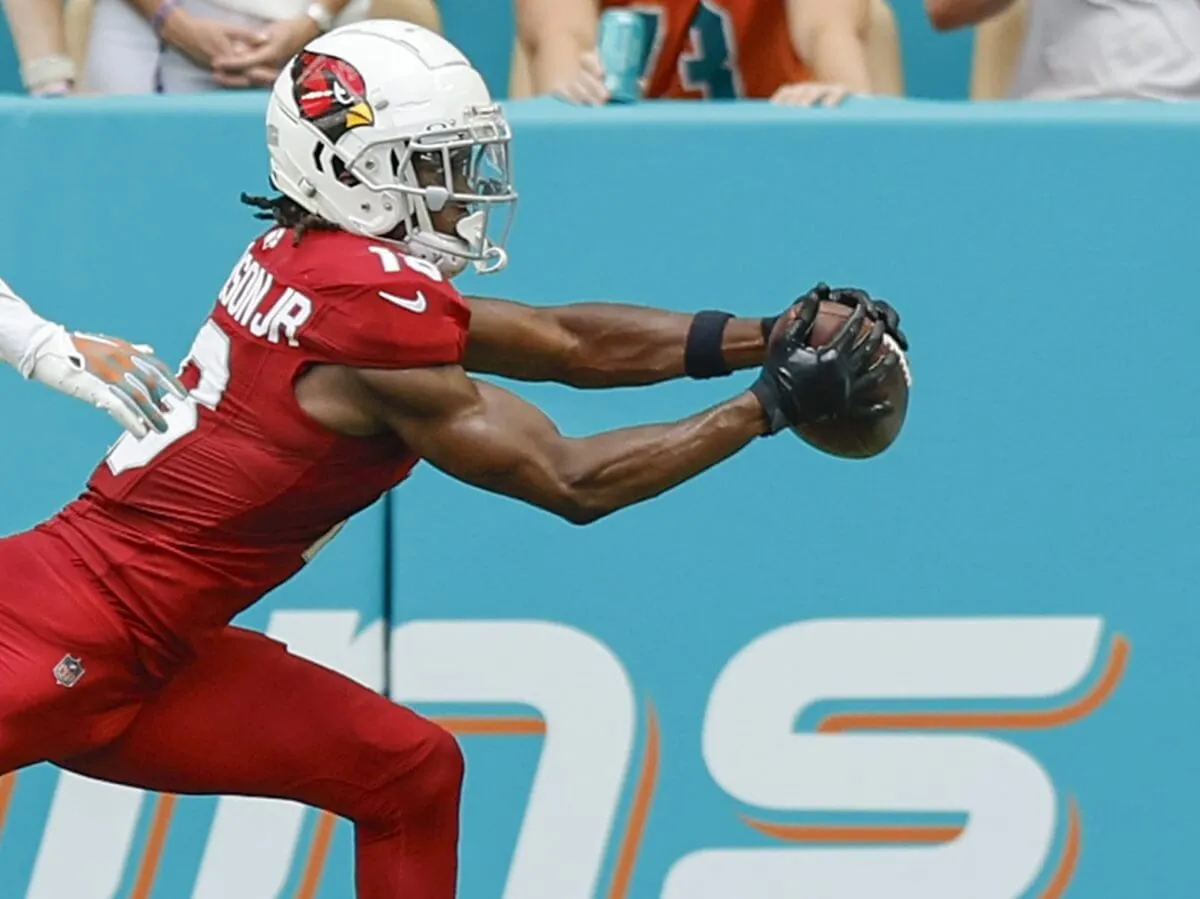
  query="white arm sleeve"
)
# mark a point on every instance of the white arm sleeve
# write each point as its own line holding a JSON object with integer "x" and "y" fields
{"x": 22, "y": 331}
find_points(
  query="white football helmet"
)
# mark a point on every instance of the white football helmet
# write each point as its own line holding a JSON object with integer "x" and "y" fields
{"x": 379, "y": 126}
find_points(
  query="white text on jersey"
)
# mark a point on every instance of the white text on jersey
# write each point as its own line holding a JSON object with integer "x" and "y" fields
{"x": 245, "y": 291}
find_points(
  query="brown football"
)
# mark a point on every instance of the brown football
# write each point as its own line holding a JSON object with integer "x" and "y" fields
{"x": 848, "y": 438}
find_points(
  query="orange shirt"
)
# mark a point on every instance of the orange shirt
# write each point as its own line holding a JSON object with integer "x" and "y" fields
{"x": 716, "y": 49}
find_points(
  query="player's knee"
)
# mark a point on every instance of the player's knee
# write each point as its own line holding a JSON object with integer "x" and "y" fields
{"x": 444, "y": 766}
{"x": 425, "y": 778}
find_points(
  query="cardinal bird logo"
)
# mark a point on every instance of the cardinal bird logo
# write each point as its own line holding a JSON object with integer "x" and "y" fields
{"x": 330, "y": 93}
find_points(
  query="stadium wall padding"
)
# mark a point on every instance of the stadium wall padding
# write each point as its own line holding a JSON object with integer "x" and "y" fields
{"x": 964, "y": 668}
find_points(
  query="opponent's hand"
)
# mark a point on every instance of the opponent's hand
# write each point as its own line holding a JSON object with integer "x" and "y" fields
{"x": 123, "y": 379}
{"x": 801, "y": 384}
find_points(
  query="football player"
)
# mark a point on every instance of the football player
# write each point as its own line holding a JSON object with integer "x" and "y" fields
{"x": 336, "y": 357}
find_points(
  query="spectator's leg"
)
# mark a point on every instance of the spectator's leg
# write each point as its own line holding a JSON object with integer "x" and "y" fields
{"x": 122, "y": 51}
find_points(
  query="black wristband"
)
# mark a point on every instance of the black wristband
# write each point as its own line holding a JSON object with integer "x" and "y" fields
{"x": 768, "y": 325}
{"x": 702, "y": 354}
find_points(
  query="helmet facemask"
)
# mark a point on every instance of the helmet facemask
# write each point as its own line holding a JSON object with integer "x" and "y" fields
{"x": 454, "y": 185}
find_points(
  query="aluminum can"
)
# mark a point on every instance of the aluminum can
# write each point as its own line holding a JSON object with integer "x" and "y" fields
{"x": 622, "y": 47}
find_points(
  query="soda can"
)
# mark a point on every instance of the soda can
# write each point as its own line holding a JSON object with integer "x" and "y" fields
{"x": 622, "y": 47}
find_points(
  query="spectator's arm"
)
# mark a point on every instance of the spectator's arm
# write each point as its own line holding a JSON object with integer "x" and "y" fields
{"x": 554, "y": 34}
{"x": 831, "y": 37}
{"x": 40, "y": 38}
{"x": 947, "y": 15}
{"x": 998, "y": 45}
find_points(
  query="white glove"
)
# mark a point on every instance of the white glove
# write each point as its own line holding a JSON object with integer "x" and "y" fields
{"x": 123, "y": 379}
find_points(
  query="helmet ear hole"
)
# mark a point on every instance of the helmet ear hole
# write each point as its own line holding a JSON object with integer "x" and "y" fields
{"x": 341, "y": 173}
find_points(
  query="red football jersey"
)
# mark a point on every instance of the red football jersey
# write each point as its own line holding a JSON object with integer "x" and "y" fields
{"x": 716, "y": 49}
{"x": 191, "y": 527}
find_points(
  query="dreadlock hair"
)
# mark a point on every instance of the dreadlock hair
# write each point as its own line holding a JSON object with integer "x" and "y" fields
{"x": 287, "y": 213}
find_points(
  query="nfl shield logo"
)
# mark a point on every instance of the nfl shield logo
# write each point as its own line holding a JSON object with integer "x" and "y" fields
{"x": 68, "y": 671}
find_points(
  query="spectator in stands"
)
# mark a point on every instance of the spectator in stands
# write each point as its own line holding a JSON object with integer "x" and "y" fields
{"x": 39, "y": 34}
{"x": 802, "y": 52}
{"x": 1080, "y": 49}
{"x": 176, "y": 46}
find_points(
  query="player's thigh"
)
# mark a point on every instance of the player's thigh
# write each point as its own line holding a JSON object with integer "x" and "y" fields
{"x": 69, "y": 680}
{"x": 249, "y": 718}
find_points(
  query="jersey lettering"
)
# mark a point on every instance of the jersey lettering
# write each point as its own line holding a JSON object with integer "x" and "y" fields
{"x": 244, "y": 293}
{"x": 290, "y": 312}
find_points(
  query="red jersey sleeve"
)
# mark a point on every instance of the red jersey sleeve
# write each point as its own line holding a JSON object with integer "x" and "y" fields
{"x": 405, "y": 323}
{"x": 379, "y": 309}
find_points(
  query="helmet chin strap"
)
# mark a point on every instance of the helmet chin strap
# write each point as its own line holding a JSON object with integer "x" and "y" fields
{"x": 447, "y": 251}
{"x": 442, "y": 250}
{"x": 494, "y": 259}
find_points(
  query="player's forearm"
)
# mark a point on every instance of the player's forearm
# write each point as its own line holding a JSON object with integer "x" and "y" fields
{"x": 628, "y": 346}
{"x": 596, "y": 345}
{"x": 22, "y": 331}
{"x": 614, "y": 470}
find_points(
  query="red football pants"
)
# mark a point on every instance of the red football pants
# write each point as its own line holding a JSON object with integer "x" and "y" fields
{"x": 245, "y": 718}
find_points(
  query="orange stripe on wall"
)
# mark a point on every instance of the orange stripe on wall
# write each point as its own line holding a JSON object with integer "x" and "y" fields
{"x": 318, "y": 853}
{"x": 639, "y": 815}
{"x": 7, "y": 784}
{"x": 164, "y": 809}
{"x": 1096, "y": 697}
{"x": 1072, "y": 846}
{"x": 497, "y": 725}
{"x": 923, "y": 834}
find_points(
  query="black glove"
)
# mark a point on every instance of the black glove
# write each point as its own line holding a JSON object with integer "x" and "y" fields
{"x": 850, "y": 296}
{"x": 876, "y": 309}
{"x": 800, "y": 384}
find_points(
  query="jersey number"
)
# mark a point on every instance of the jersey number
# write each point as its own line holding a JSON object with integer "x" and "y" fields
{"x": 711, "y": 65}
{"x": 394, "y": 262}
{"x": 210, "y": 356}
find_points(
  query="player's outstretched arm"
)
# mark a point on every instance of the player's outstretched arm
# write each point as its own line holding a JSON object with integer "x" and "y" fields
{"x": 488, "y": 437}
{"x": 597, "y": 345}
{"x": 592, "y": 345}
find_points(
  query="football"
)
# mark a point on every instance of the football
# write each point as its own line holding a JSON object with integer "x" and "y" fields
{"x": 847, "y": 438}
